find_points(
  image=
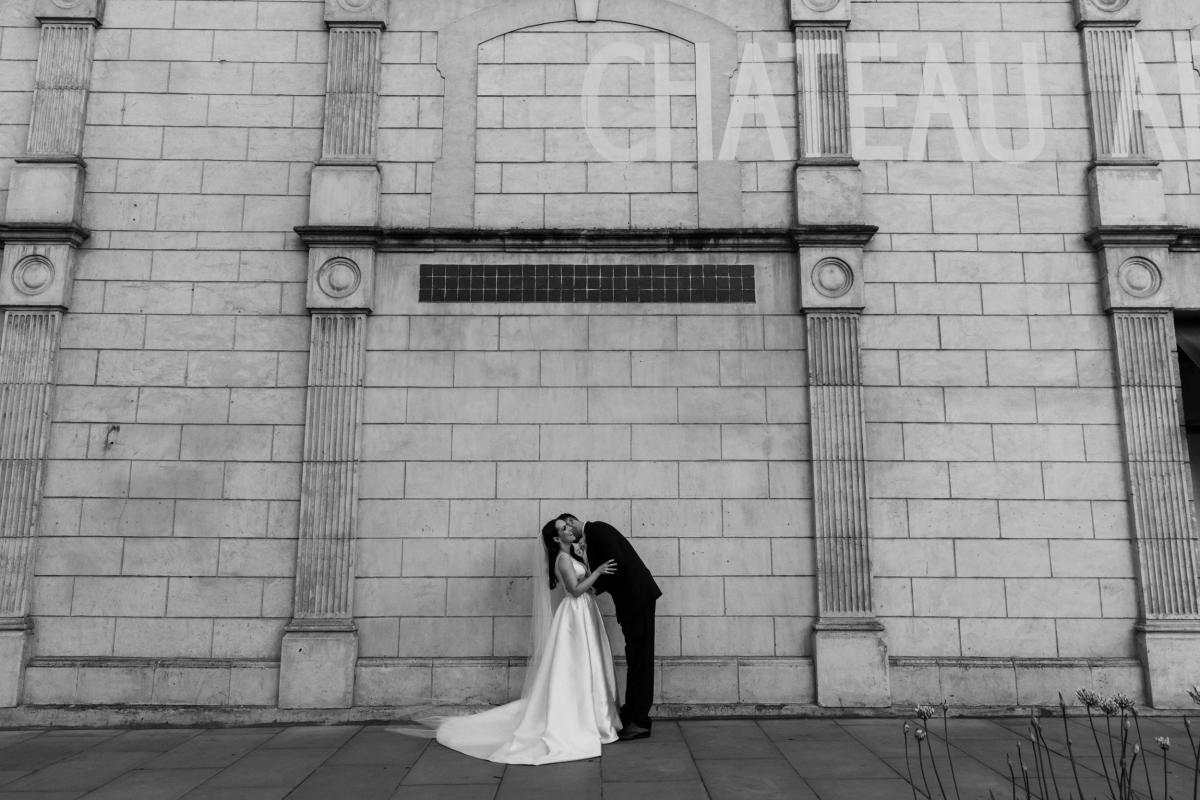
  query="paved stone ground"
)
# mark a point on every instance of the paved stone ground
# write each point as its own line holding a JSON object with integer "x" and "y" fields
{"x": 796, "y": 759}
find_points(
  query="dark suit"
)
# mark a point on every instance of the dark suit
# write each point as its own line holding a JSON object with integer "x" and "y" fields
{"x": 634, "y": 593}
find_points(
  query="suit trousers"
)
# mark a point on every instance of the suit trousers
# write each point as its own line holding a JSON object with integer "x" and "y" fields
{"x": 638, "y": 630}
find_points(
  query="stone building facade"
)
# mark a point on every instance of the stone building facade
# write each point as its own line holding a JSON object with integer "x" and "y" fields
{"x": 858, "y": 317}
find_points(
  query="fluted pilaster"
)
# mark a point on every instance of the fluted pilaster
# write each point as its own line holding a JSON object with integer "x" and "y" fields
{"x": 64, "y": 71}
{"x": 28, "y": 343}
{"x": 352, "y": 94}
{"x": 1117, "y": 130}
{"x": 824, "y": 100}
{"x": 839, "y": 465}
{"x": 324, "y": 569}
{"x": 1159, "y": 474}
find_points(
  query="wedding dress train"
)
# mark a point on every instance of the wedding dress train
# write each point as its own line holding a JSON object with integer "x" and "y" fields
{"x": 570, "y": 707}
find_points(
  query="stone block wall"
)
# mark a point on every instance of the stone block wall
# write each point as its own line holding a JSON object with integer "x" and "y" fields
{"x": 1002, "y": 555}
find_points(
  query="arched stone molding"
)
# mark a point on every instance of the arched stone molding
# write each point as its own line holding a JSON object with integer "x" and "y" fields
{"x": 453, "y": 201}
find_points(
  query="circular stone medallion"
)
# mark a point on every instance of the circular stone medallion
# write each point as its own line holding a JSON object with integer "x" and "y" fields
{"x": 33, "y": 275}
{"x": 1110, "y": 5}
{"x": 354, "y": 5}
{"x": 821, "y": 5}
{"x": 339, "y": 277}
{"x": 1139, "y": 277}
{"x": 832, "y": 277}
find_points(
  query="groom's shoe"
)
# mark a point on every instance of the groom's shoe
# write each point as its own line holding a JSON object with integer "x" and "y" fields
{"x": 633, "y": 731}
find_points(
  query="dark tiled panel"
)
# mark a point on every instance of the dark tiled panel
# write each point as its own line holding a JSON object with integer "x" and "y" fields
{"x": 587, "y": 283}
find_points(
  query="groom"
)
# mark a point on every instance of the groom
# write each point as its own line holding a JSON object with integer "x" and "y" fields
{"x": 634, "y": 593}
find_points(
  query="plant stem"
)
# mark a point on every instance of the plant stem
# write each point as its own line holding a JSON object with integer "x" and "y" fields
{"x": 1037, "y": 761}
{"x": 1070, "y": 752}
{"x": 908, "y": 763}
{"x": 1049, "y": 764}
{"x": 1100, "y": 752}
{"x": 1165, "y": 795}
{"x": 949, "y": 758}
{"x": 921, "y": 764}
{"x": 1195, "y": 756}
{"x": 936, "y": 772}
{"x": 1145, "y": 761}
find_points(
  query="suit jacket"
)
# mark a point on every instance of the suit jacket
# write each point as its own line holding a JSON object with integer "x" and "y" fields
{"x": 632, "y": 587}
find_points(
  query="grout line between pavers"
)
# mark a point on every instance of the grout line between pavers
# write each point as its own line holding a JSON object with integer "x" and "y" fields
{"x": 687, "y": 746}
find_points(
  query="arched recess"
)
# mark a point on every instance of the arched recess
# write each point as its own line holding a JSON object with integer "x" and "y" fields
{"x": 453, "y": 201}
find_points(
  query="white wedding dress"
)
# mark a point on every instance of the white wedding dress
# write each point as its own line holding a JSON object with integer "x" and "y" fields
{"x": 569, "y": 707}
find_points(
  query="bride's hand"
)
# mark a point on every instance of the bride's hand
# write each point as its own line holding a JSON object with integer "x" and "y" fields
{"x": 607, "y": 568}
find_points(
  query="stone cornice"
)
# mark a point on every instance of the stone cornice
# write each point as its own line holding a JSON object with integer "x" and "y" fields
{"x": 1188, "y": 241}
{"x": 43, "y": 232}
{"x": 769, "y": 240}
{"x": 834, "y": 235}
{"x": 1135, "y": 236}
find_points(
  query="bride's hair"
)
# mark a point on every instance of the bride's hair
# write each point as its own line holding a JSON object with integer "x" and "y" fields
{"x": 550, "y": 541}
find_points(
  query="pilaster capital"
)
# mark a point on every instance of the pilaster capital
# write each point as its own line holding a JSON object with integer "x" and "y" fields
{"x": 341, "y": 278}
{"x": 370, "y": 13}
{"x": 1108, "y": 12}
{"x": 822, "y": 12}
{"x": 70, "y": 11}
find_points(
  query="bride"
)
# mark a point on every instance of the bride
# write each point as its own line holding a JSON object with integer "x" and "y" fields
{"x": 568, "y": 705}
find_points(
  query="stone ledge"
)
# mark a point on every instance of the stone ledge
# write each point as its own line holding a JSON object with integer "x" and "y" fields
{"x": 770, "y": 240}
{"x": 44, "y": 232}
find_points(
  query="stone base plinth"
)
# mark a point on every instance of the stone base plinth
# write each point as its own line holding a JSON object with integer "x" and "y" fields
{"x": 14, "y": 645}
{"x": 851, "y": 666}
{"x": 317, "y": 669}
{"x": 1170, "y": 655}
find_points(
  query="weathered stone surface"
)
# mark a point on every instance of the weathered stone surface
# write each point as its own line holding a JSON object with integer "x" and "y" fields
{"x": 317, "y": 670}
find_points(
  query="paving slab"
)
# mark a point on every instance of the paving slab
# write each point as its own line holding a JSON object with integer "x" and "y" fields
{"x": 358, "y": 781}
{"x": 648, "y": 761}
{"x": 12, "y": 737}
{"x": 441, "y": 766}
{"x": 152, "y": 785}
{"x": 312, "y": 736}
{"x": 854, "y": 789}
{"x": 578, "y": 780}
{"x": 376, "y": 745}
{"x": 148, "y": 740}
{"x": 276, "y": 768}
{"x": 462, "y": 791}
{"x": 208, "y": 749}
{"x": 655, "y": 790}
{"x": 765, "y": 779}
{"x": 834, "y": 759}
{"x": 735, "y": 739}
{"x": 238, "y": 793}
{"x": 81, "y": 772}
